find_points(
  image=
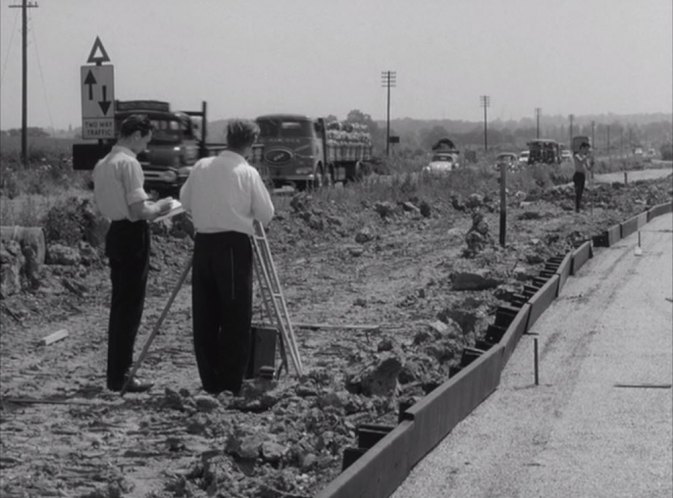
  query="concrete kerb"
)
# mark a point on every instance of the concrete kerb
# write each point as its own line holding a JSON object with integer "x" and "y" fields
{"x": 628, "y": 227}
{"x": 384, "y": 466}
{"x": 514, "y": 332}
{"x": 659, "y": 209}
{"x": 608, "y": 238}
{"x": 642, "y": 219}
{"x": 563, "y": 271}
{"x": 439, "y": 412}
{"x": 541, "y": 300}
{"x": 580, "y": 256}
{"x": 380, "y": 471}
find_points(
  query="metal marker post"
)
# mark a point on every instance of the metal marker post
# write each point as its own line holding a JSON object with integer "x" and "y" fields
{"x": 537, "y": 376}
{"x": 639, "y": 250}
{"x": 503, "y": 203}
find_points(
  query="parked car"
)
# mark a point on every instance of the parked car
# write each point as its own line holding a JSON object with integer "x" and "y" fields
{"x": 508, "y": 158}
{"x": 441, "y": 163}
{"x": 523, "y": 157}
{"x": 544, "y": 150}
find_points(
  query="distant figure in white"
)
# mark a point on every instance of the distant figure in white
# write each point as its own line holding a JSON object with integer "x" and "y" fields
{"x": 583, "y": 166}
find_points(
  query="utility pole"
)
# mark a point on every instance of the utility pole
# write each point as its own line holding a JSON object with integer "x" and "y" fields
{"x": 388, "y": 80}
{"x": 593, "y": 134}
{"x": 608, "y": 133}
{"x": 538, "y": 111}
{"x": 570, "y": 129}
{"x": 25, "y": 5}
{"x": 485, "y": 101}
{"x": 630, "y": 143}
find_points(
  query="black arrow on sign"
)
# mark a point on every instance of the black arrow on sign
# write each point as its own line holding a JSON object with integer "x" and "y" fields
{"x": 104, "y": 104}
{"x": 91, "y": 81}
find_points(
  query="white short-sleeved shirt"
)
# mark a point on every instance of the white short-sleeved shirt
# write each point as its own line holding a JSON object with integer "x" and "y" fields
{"x": 224, "y": 193}
{"x": 118, "y": 182}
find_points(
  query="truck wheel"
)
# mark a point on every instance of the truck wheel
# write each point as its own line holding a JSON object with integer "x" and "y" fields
{"x": 349, "y": 173}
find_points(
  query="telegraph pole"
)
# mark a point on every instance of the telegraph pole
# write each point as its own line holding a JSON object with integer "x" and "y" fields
{"x": 485, "y": 101}
{"x": 25, "y": 5}
{"x": 570, "y": 129}
{"x": 388, "y": 80}
{"x": 538, "y": 111}
{"x": 593, "y": 134}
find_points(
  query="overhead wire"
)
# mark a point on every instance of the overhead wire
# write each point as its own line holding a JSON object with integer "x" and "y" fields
{"x": 9, "y": 48}
{"x": 39, "y": 65}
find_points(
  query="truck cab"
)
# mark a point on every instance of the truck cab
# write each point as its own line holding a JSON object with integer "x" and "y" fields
{"x": 305, "y": 152}
{"x": 175, "y": 144}
{"x": 293, "y": 149}
{"x": 178, "y": 141}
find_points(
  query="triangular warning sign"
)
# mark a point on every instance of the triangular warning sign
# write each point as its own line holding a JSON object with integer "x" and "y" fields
{"x": 98, "y": 46}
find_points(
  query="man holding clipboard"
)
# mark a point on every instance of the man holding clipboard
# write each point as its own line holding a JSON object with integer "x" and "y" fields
{"x": 118, "y": 190}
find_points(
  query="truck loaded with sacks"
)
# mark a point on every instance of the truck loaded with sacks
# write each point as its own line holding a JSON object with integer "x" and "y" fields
{"x": 311, "y": 153}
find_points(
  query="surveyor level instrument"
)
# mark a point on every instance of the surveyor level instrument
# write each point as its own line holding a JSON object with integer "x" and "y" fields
{"x": 155, "y": 330}
{"x": 272, "y": 295}
{"x": 273, "y": 298}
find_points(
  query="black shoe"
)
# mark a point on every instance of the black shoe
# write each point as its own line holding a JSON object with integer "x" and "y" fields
{"x": 134, "y": 386}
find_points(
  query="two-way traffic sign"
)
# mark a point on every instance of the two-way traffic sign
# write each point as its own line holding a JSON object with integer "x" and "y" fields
{"x": 97, "y": 97}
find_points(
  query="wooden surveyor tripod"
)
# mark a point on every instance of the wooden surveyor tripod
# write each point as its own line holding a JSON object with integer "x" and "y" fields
{"x": 272, "y": 297}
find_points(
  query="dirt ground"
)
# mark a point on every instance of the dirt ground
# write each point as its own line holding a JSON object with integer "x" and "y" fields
{"x": 389, "y": 265}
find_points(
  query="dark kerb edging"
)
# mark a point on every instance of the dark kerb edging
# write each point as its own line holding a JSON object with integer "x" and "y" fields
{"x": 383, "y": 467}
{"x": 440, "y": 411}
{"x": 608, "y": 238}
{"x": 563, "y": 271}
{"x": 629, "y": 226}
{"x": 659, "y": 209}
{"x": 514, "y": 332}
{"x": 642, "y": 219}
{"x": 580, "y": 256}
{"x": 380, "y": 470}
{"x": 541, "y": 300}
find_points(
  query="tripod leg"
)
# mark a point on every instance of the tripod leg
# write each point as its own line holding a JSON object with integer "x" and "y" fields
{"x": 155, "y": 330}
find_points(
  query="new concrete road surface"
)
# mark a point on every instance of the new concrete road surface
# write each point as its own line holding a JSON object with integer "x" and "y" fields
{"x": 600, "y": 422}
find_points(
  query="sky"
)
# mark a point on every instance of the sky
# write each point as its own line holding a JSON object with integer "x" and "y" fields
{"x": 252, "y": 57}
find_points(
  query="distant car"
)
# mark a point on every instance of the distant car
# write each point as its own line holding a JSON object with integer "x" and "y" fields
{"x": 441, "y": 163}
{"x": 523, "y": 157}
{"x": 508, "y": 158}
{"x": 566, "y": 155}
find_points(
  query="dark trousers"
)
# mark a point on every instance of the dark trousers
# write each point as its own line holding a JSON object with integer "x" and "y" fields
{"x": 578, "y": 180}
{"x": 222, "y": 308}
{"x": 127, "y": 245}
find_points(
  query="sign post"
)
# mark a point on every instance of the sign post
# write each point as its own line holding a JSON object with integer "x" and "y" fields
{"x": 97, "y": 83}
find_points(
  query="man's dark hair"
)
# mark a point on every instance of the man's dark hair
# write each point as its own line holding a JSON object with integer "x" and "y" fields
{"x": 241, "y": 133}
{"x": 585, "y": 144}
{"x": 135, "y": 122}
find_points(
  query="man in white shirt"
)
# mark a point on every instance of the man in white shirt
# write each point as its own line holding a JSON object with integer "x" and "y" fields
{"x": 583, "y": 166}
{"x": 224, "y": 195}
{"x": 118, "y": 189}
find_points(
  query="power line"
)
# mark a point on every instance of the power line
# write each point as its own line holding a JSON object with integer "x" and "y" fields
{"x": 9, "y": 48}
{"x": 388, "y": 80}
{"x": 39, "y": 65}
{"x": 25, "y": 5}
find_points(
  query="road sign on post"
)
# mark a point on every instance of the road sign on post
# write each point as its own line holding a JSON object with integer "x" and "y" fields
{"x": 97, "y": 84}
